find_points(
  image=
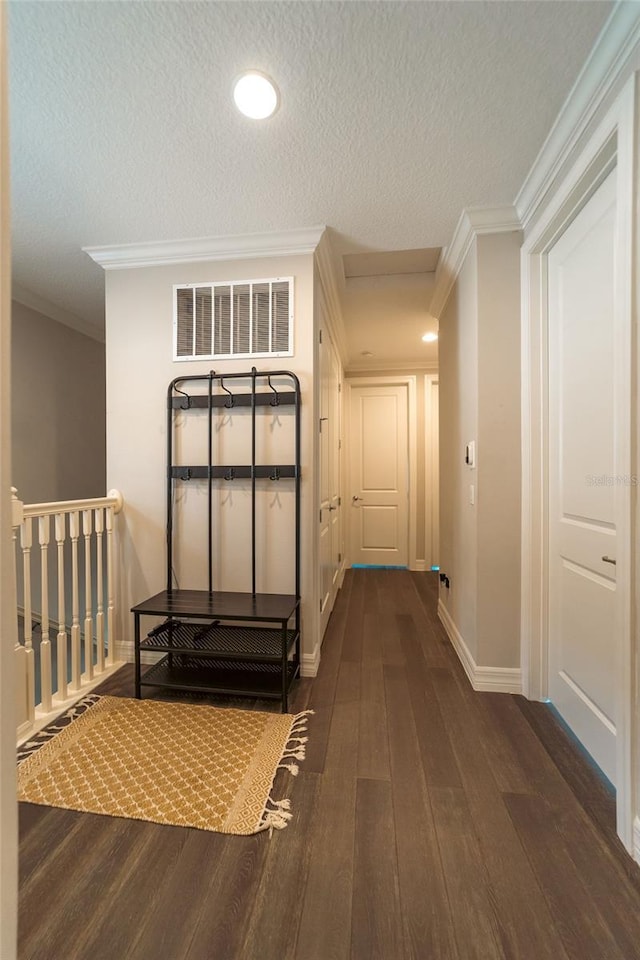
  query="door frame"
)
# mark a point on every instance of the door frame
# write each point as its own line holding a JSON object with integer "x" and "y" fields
{"x": 8, "y": 629}
{"x": 612, "y": 146}
{"x": 431, "y": 470}
{"x": 408, "y": 380}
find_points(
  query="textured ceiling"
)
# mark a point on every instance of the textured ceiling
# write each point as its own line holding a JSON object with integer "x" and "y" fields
{"x": 391, "y": 263}
{"x": 394, "y": 117}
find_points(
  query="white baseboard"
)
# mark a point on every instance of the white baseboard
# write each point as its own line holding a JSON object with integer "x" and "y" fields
{"x": 420, "y": 566}
{"x": 124, "y": 651}
{"x": 309, "y": 663}
{"x": 491, "y": 679}
{"x": 498, "y": 679}
{"x": 636, "y": 839}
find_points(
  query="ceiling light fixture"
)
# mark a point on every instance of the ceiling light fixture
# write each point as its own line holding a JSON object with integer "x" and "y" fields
{"x": 256, "y": 95}
{"x": 429, "y": 337}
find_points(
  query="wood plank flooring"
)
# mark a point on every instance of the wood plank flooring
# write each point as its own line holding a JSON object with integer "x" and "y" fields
{"x": 430, "y": 822}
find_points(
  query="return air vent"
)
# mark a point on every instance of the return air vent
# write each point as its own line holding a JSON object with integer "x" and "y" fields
{"x": 253, "y": 318}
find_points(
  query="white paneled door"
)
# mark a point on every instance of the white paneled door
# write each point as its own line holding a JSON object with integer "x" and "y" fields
{"x": 583, "y": 641}
{"x": 330, "y": 525}
{"x": 379, "y": 463}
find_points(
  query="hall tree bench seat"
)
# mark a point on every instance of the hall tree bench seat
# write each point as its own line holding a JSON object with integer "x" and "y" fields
{"x": 223, "y": 650}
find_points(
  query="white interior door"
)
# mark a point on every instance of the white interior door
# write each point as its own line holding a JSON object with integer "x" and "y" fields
{"x": 582, "y": 483}
{"x": 330, "y": 526}
{"x": 379, "y": 465}
{"x": 335, "y": 468}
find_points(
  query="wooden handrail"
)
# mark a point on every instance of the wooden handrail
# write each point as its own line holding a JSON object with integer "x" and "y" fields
{"x": 113, "y": 499}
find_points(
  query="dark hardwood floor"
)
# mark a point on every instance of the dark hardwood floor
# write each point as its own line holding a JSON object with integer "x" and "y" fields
{"x": 429, "y": 822}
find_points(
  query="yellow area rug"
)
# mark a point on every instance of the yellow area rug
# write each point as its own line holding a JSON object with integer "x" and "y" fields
{"x": 188, "y": 765}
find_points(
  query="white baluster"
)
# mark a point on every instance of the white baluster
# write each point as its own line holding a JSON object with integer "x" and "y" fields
{"x": 26, "y": 540}
{"x": 22, "y": 701}
{"x": 74, "y": 533}
{"x": 87, "y": 527}
{"x": 111, "y": 653}
{"x": 15, "y": 517}
{"x": 60, "y": 529}
{"x": 99, "y": 522}
{"x": 44, "y": 529}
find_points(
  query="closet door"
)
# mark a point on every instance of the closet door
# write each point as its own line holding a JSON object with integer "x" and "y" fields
{"x": 583, "y": 644}
{"x": 330, "y": 452}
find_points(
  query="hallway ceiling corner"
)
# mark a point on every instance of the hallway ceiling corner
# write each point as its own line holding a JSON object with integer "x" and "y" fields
{"x": 394, "y": 116}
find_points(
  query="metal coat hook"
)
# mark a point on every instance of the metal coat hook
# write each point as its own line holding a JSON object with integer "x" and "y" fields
{"x": 187, "y": 475}
{"x": 228, "y": 403}
{"x": 186, "y": 403}
{"x": 275, "y": 401}
{"x": 275, "y": 475}
{"x": 229, "y": 475}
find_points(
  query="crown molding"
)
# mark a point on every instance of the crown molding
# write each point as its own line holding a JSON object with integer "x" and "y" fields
{"x": 327, "y": 271}
{"x": 608, "y": 64}
{"x": 473, "y": 222}
{"x": 284, "y": 243}
{"x": 53, "y": 312}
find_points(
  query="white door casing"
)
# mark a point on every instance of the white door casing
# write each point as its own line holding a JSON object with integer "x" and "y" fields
{"x": 431, "y": 472}
{"x": 335, "y": 469}
{"x": 379, "y": 474}
{"x": 582, "y": 516}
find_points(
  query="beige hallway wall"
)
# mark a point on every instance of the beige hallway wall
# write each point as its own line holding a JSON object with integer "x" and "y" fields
{"x": 58, "y": 410}
{"x": 480, "y": 402}
{"x": 458, "y": 355}
{"x": 140, "y": 365}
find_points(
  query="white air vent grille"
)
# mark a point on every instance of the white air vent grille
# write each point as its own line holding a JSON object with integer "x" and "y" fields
{"x": 253, "y": 318}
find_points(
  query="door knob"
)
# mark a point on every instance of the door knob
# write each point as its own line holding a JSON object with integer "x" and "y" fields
{"x": 332, "y": 508}
{"x": 354, "y": 498}
{"x": 608, "y": 560}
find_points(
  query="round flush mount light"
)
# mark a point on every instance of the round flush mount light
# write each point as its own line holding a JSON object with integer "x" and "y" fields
{"x": 256, "y": 95}
{"x": 429, "y": 337}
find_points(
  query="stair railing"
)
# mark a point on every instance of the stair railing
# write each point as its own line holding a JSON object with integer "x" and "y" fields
{"x": 65, "y": 575}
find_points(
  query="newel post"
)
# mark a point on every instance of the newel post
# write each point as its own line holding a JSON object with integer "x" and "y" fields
{"x": 17, "y": 509}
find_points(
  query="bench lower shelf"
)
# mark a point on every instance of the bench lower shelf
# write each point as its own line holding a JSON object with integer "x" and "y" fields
{"x": 209, "y": 675}
{"x": 220, "y": 641}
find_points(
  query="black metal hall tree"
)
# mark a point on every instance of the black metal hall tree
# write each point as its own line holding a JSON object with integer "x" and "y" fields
{"x": 241, "y": 644}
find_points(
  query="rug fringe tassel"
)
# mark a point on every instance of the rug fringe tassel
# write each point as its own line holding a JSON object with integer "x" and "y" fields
{"x": 293, "y": 768}
{"x": 278, "y": 817}
{"x": 300, "y": 721}
{"x": 277, "y": 813}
